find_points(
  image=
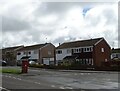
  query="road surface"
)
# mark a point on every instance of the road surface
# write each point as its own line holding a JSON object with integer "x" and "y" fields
{"x": 54, "y": 79}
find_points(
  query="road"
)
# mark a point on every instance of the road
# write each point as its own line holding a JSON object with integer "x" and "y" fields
{"x": 54, "y": 79}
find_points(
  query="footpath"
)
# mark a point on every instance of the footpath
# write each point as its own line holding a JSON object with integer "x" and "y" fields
{"x": 76, "y": 71}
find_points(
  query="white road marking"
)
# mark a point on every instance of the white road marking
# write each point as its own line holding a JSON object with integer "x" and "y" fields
{"x": 68, "y": 87}
{"x": 14, "y": 78}
{"x": 52, "y": 85}
{"x": 19, "y": 79}
{"x": 9, "y": 76}
{"x": 4, "y": 89}
{"x": 82, "y": 73}
{"x": 37, "y": 82}
{"x": 88, "y": 73}
{"x": 61, "y": 87}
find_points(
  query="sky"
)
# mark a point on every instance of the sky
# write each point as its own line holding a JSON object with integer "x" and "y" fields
{"x": 29, "y": 22}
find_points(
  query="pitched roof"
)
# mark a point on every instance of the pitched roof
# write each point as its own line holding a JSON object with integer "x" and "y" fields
{"x": 33, "y": 47}
{"x": 81, "y": 43}
{"x": 11, "y": 48}
{"x": 117, "y": 50}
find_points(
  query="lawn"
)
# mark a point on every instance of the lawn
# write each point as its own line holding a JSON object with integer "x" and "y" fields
{"x": 10, "y": 70}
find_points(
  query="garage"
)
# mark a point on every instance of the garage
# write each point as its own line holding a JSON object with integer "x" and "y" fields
{"x": 48, "y": 61}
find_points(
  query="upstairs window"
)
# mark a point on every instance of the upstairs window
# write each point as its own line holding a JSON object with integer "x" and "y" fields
{"x": 59, "y": 52}
{"x": 102, "y": 49}
{"x": 18, "y": 53}
{"x": 29, "y": 52}
{"x": 88, "y": 49}
{"x": 77, "y": 50}
{"x": 24, "y": 53}
{"x": 49, "y": 53}
{"x": 35, "y": 51}
{"x": 68, "y": 51}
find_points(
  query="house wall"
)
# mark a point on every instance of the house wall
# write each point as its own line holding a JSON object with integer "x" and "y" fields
{"x": 115, "y": 55}
{"x": 33, "y": 54}
{"x": 82, "y": 54}
{"x": 19, "y": 56}
{"x": 64, "y": 53}
{"x": 100, "y": 56}
{"x": 48, "y": 51}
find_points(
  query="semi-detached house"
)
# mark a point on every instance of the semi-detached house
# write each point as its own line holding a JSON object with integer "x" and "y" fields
{"x": 87, "y": 52}
{"x": 40, "y": 53}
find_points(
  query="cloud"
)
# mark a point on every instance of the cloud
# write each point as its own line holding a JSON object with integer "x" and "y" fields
{"x": 58, "y": 22}
{"x": 9, "y": 24}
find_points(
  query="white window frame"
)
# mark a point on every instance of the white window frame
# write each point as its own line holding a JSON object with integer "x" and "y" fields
{"x": 102, "y": 50}
{"x": 85, "y": 49}
{"x": 35, "y": 51}
{"x": 60, "y": 52}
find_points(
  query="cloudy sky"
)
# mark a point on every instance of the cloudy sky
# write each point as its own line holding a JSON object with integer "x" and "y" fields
{"x": 27, "y": 22}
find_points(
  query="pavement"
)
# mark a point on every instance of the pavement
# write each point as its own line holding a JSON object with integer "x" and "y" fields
{"x": 78, "y": 71}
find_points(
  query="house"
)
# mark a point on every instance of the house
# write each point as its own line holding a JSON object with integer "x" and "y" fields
{"x": 9, "y": 54}
{"x": 40, "y": 53}
{"x": 115, "y": 53}
{"x": 86, "y": 52}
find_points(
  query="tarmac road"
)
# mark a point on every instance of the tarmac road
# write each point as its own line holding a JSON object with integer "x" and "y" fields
{"x": 57, "y": 79}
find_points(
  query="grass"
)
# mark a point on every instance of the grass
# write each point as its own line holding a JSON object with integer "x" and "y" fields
{"x": 10, "y": 70}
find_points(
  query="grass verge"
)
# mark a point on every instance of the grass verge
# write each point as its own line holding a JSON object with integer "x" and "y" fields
{"x": 10, "y": 70}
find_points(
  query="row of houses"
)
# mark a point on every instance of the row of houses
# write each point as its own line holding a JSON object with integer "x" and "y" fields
{"x": 86, "y": 52}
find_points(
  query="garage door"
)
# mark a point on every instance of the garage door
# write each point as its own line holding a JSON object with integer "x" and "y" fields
{"x": 46, "y": 61}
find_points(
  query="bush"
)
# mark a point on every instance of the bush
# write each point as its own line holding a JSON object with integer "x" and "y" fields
{"x": 36, "y": 65}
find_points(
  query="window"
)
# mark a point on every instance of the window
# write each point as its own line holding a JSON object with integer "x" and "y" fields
{"x": 84, "y": 49}
{"x": 87, "y": 61}
{"x": 106, "y": 60}
{"x": 59, "y": 52}
{"x": 18, "y": 53}
{"x": 102, "y": 49}
{"x": 24, "y": 53}
{"x": 49, "y": 52}
{"x": 79, "y": 50}
{"x": 29, "y": 52}
{"x": 68, "y": 51}
{"x": 76, "y": 50}
{"x": 91, "y": 49}
{"x": 83, "y": 61}
{"x": 35, "y": 51}
{"x": 88, "y": 49}
{"x": 92, "y": 62}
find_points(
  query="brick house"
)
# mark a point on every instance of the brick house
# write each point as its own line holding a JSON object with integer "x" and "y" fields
{"x": 9, "y": 54}
{"x": 40, "y": 53}
{"x": 86, "y": 52}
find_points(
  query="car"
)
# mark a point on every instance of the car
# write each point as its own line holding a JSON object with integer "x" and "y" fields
{"x": 32, "y": 62}
{"x": 3, "y": 63}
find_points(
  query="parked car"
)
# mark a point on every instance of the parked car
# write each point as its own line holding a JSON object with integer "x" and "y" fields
{"x": 32, "y": 62}
{"x": 3, "y": 63}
